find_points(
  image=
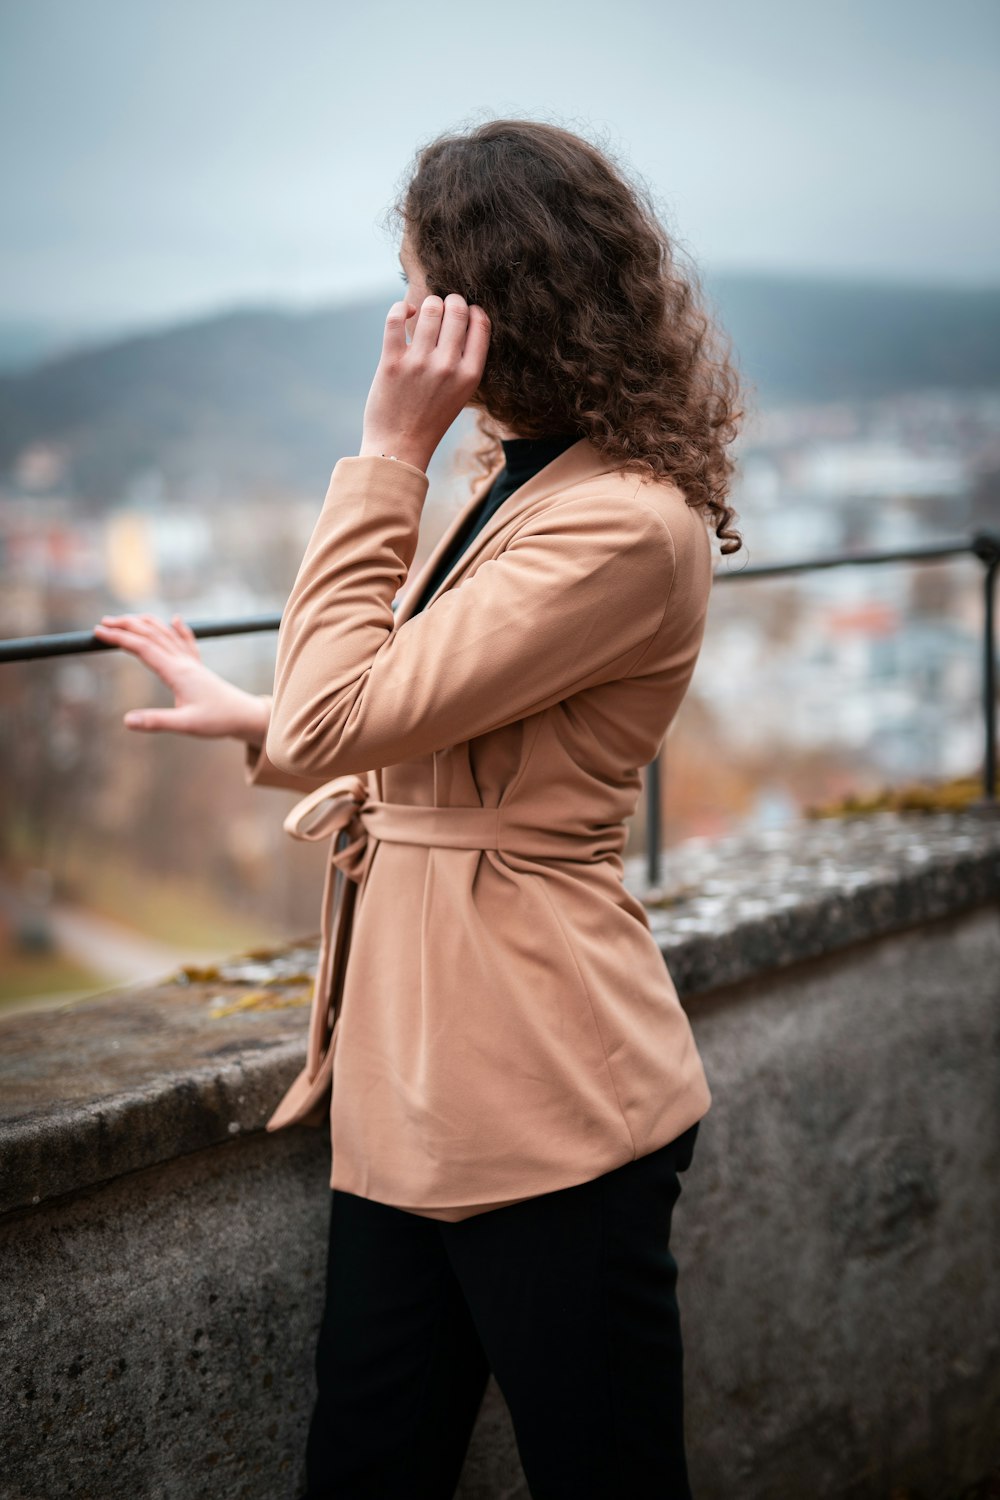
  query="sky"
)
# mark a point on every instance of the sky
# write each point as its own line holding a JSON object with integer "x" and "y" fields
{"x": 161, "y": 159}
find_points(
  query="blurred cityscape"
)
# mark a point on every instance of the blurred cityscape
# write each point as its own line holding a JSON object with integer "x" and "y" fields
{"x": 183, "y": 471}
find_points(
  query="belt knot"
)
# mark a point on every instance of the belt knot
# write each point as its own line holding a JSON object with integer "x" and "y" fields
{"x": 336, "y": 808}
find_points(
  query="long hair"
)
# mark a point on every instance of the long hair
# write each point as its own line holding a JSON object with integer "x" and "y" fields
{"x": 594, "y": 328}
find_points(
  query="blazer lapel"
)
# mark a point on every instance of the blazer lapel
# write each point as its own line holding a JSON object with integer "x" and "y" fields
{"x": 579, "y": 462}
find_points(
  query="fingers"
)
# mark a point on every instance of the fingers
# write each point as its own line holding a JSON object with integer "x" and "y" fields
{"x": 183, "y": 629}
{"x": 155, "y": 629}
{"x": 459, "y": 332}
{"x": 394, "y": 338}
{"x": 446, "y": 325}
{"x": 141, "y": 641}
{"x": 427, "y": 326}
{"x": 453, "y": 328}
{"x": 477, "y": 343}
{"x": 177, "y": 633}
{"x": 151, "y": 720}
{"x": 168, "y": 636}
{"x": 141, "y": 718}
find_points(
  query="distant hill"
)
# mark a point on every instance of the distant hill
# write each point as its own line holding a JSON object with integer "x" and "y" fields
{"x": 254, "y": 400}
{"x": 24, "y": 342}
{"x": 810, "y": 339}
{"x": 264, "y": 400}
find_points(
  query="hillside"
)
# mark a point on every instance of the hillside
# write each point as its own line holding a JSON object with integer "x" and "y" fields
{"x": 263, "y": 400}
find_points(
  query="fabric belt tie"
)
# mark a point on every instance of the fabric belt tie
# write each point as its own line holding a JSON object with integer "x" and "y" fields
{"x": 342, "y": 811}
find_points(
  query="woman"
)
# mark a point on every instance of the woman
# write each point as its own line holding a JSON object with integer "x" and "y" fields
{"x": 511, "y": 1082}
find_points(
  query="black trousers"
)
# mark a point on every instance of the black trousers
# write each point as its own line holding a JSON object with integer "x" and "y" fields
{"x": 569, "y": 1298}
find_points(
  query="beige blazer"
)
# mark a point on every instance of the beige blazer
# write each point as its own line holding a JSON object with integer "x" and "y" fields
{"x": 492, "y": 1018}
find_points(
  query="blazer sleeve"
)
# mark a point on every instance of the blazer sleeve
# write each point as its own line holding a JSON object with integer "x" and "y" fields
{"x": 258, "y": 770}
{"x": 576, "y": 597}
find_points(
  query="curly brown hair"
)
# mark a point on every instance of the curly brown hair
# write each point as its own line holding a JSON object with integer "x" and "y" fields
{"x": 594, "y": 328}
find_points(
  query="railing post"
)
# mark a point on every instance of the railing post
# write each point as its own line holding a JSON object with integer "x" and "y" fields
{"x": 986, "y": 546}
{"x": 653, "y": 804}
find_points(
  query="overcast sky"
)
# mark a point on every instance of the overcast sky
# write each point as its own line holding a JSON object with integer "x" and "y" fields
{"x": 167, "y": 157}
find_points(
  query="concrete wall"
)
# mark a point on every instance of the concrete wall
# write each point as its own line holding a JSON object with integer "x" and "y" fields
{"x": 838, "y": 1232}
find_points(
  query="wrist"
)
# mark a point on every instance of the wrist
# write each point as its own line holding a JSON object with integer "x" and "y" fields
{"x": 403, "y": 449}
{"x": 251, "y": 717}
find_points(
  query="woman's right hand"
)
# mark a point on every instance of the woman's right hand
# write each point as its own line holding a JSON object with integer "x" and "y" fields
{"x": 205, "y": 704}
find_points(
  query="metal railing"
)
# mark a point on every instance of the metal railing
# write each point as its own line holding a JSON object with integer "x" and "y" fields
{"x": 984, "y": 545}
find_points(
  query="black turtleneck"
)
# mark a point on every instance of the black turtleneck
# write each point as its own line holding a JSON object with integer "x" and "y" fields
{"x": 523, "y": 457}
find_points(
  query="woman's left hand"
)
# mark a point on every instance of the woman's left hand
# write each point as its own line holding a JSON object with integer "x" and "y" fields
{"x": 420, "y": 388}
